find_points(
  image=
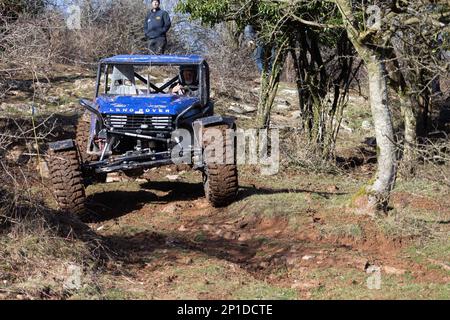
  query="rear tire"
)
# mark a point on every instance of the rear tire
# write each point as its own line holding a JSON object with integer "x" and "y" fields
{"x": 67, "y": 181}
{"x": 221, "y": 180}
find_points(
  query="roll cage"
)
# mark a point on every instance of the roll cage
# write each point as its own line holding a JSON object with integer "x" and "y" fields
{"x": 156, "y": 61}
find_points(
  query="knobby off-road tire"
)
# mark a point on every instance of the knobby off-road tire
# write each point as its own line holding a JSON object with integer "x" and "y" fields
{"x": 67, "y": 181}
{"x": 221, "y": 180}
{"x": 82, "y": 138}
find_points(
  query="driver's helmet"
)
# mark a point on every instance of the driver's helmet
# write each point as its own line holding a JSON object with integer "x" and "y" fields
{"x": 182, "y": 80}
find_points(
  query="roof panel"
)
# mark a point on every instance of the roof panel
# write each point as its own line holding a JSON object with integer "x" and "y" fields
{"x": 154, "y": 59}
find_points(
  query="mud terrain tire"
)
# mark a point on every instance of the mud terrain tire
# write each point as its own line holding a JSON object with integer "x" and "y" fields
{"x": 67, "y": 180}
{"x": 82, "y": 138}
{"x": 221, "y": 180}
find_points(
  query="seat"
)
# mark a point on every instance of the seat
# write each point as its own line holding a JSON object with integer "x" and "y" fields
{"x": 123, "y": 81}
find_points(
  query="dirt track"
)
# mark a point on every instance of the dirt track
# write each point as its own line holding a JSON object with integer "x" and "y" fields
{"x": 287, "y": 236}
{"x": 170, "y": 243}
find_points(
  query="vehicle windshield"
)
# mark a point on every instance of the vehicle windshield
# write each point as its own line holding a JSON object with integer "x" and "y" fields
{"x": 139, "y": 80}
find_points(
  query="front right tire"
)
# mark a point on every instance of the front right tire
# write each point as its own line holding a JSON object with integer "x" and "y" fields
{"x": 220, "y": 181}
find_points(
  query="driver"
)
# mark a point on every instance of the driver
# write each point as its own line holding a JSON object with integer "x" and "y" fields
{"x": 187, "y": 82}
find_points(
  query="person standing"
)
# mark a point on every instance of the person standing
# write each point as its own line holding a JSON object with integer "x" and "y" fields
{"x": 251, "y": 36}
{"x": 157, "y": 23}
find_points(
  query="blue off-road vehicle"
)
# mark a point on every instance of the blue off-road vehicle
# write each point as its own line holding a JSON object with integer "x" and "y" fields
{"x": 137, "y": 121}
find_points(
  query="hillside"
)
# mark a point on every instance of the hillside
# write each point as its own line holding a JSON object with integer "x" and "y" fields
{"x": 293, "y": 235}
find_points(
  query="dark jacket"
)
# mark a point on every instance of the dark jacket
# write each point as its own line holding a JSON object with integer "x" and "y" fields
{"x": 157, "y": 24}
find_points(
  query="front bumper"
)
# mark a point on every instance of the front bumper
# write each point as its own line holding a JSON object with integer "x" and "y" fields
{"x": 142, "y": 160}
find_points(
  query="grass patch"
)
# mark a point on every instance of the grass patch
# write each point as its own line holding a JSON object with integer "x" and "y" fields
{"x": 264, "y": 291}
{"x": 349, "y": 230}
{"x": 352, "y": 284}
{"x": 276, "y": 205}
{"x": 402, "y": 226}
{"x": 434, "y": 190}
{"x": 38, "y": 265}
{"x": 435, "y": 254}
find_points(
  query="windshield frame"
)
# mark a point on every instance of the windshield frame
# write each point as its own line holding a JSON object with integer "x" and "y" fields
{"x": 202, "y": 69}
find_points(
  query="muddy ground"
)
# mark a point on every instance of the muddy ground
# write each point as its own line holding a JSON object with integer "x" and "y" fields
{"x": 279, "y": 240}
{"x": 293, "y": 235}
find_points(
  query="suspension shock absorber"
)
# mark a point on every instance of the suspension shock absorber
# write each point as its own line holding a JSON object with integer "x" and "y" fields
{"x": 104, "y": 143}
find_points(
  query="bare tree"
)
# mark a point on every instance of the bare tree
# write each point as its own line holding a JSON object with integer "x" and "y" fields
{"x": 373, "y": 55}
{"x": 418, "y": 42}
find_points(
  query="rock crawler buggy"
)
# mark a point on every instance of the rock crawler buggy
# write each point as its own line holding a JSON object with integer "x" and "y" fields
{"x": 135, "y": 124}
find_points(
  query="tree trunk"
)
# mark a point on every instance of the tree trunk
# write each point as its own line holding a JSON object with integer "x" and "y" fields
{"x": 270, "y": 80}
{"x": 410, "y": 144}
{"x": 423, "y": 101}
{"x": 231, "y": 34}
{"x": 269, "y": 88}
{"x": 384, "y": 180}
{"x": 386, "y": 173}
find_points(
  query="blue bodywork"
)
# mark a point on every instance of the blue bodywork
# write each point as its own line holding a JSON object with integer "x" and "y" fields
{"x": 132, "y": 128}
{"x": 155, "y": 104}
{"x": 155, "y": 60}
{"x": 151, "y": 104}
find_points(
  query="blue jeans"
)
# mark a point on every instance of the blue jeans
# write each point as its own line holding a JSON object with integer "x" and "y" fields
{"x": 259, "y": 58}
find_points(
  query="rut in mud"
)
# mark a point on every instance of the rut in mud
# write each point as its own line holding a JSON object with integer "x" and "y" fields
{"x": 162, "y": 230}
